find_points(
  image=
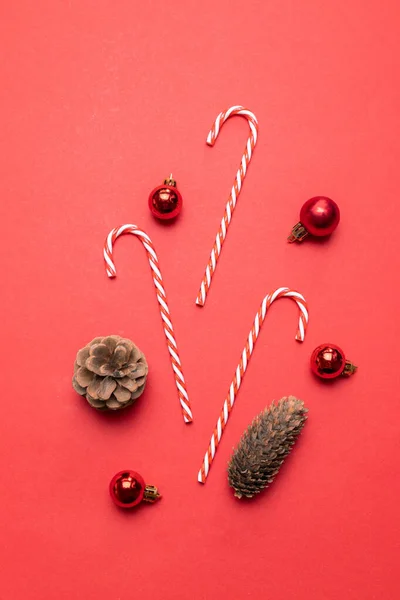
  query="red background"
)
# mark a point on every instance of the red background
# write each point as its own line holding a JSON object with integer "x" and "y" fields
{"x": 100, "y": 101}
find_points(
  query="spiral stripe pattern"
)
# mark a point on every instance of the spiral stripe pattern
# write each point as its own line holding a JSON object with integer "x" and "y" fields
{"x": 162, "y": 301}
{"x": 235, "y": 191}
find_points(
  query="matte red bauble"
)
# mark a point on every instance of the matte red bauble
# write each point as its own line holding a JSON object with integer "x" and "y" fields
{"x": 328, "y": 362}
{"x": 128, "y": 489}
{"x": 165, "y": 202}
{"x": 319, "y": 217}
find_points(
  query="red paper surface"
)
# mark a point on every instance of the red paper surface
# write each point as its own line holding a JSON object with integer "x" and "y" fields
{"x": 100, "y": 101}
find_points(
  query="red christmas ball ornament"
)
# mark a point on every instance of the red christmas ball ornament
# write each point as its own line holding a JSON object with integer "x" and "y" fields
{"x": 165, "y": 202}
{"x": 328, "y": 362}
{"x": 128, "y": 489}
{"x": 319, "y": 217}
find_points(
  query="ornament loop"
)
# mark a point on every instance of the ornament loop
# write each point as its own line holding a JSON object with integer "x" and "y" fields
{"x": 151, "y": 493}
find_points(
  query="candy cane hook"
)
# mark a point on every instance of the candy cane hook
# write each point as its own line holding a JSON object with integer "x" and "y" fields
{"x": 283, "y": 292}
{"x": 162, "y": 300}
{"x": 235, "y": 191}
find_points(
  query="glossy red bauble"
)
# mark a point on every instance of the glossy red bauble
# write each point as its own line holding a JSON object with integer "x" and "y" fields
{"x": 328, "y": 362}
{"x": 165, "y": 201}
{"x": 127, "y": 488}
{"x": 319, "y": 217}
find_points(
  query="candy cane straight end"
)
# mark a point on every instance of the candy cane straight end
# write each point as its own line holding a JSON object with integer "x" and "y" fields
{"x": 201, "y": 477}
{"x": 199, "y": 301}
{"x": 210, "y": 139}
{"x": 202, "y": 295}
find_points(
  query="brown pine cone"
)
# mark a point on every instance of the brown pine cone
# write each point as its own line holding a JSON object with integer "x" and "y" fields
{"x": 264, "y": 446}
{"x": 110, "y": 372}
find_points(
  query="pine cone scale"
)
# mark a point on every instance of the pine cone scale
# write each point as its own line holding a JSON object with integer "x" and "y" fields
{"x": 106, "y": 388}
{"x": 100, "y": 351}
{"x": 128, "y": 383}
{"x": 78, "y": 388}
{"x": 95, "y": 403}
{"x": 83, "y": 377}
{"x": 82, "y": 356}
{"x": 122, "y": 394}
{"x": 135, "y": 395}
{"x": 120, "y": 356}
{"x": 96, "y": 365}
{"x": 114, "y": 404}
{"x": 139, "y": 370}
{"x": 93, "y": 386}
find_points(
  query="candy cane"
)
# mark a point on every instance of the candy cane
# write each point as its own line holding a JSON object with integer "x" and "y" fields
{"x": 235, "y": 191}
{"x": 283, "y": 292}
{"x": 162, "y": 300}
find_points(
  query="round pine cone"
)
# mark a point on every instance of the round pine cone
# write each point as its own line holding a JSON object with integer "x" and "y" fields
{"x": 264, "y": 446}
{"x": 110, "y": 372}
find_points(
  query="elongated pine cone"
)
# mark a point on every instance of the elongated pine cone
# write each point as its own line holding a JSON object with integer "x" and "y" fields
{"x": 264, "y": 446}
{"x": 110, "y": 372}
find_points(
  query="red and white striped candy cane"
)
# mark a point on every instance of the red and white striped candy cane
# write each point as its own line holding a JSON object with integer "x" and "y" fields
{"x": 283, "y": 292}
{"x": 162, "y": 300}
{"x": 235, "y": 191}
